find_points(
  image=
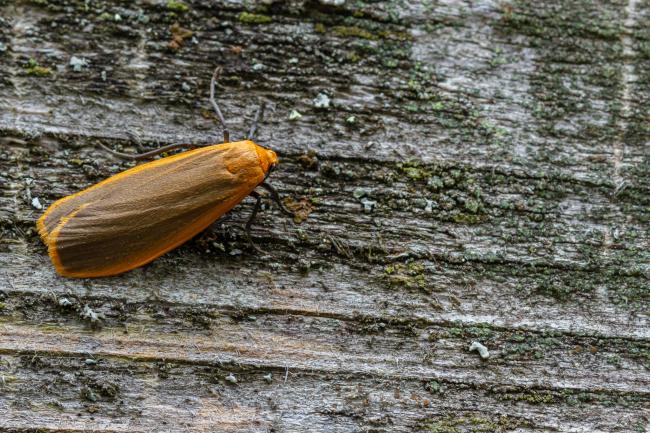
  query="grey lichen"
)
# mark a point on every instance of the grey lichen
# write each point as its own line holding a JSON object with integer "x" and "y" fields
{"x": 322, "y": 101}
{"x": 78, "y": 63}
{"x": 481, "y": 349}
{"x": 91, "y": 315}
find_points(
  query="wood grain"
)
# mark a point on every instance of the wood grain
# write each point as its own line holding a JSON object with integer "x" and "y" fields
{"x": 480, "y": 174}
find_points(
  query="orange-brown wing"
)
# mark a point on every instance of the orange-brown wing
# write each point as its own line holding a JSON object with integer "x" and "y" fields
{"x": 140, "y": 214}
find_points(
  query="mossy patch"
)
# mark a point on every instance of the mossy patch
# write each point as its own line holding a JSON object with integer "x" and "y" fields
{"x": 251, "y": 18}
{"x": 409, "y": 275}
{"x": 465, "y": 218}
{"x": 414, "y": 170}
{"x": 34, "y": 69}
{"x": 353, "y": 32}
{"x": 473, "y": 423}
{"x": 320, "y": 28}
{"x": 484, "y": 332}
{"x": 177, "y": 6}
{"x": 531, "y": 397}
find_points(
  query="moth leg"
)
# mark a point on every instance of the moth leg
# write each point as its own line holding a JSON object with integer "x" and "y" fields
{"x": 276, "y": 198}
{"x": 226, "y": 133}
{"x": 258, "y": 116}
{"x": 258, "y": 204}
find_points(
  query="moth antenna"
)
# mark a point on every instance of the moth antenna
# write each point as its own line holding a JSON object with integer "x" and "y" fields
{"x": 146, "y": 155}
{"x": 226, "y": 133}
{"x": 258, "y": 117}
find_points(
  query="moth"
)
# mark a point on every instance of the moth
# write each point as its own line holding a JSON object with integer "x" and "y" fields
{"x": 137, "y": 215}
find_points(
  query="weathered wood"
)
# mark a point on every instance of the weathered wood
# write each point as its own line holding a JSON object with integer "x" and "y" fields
{"x": 480, "y": 174}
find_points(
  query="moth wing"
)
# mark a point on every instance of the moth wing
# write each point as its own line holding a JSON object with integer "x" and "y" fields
{"x": 138, "y": 215}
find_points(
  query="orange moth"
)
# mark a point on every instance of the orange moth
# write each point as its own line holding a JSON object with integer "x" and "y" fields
{"x": 137, "y": 215}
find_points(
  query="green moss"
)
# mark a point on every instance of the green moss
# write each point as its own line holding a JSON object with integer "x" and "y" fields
{"x": 530, "y": 346}
{"x": 33, "y": 68}
{"x": 390, "y": 63}
{"x": 644, "y": 49}
{"x": 177, "y": 6}
{"x": 319, "y": 28}
{"x": 437, "y": 106}
{"x": 442, "y": 426}
{"x": 409, "y": 275}
{"x": 471, "y": 423}
{"x": 480, "y": 331}
{"x": 396, "y": 35}
{"x": 530, "y": 397}
{"x": 353, "y": 32}
{"x": 615, "y": 360}
{"x": 250, "y": 18}
{"x": 414, "y": 170}
{"x": 561, "y": 286}
{"x": 640, "y": 352}
{"x": 472, "y": 205}
{"x": 465, "y": 218}
{"x": 497, "y": 58}
{"x": 352, "y": 57}
{"x": 434, "y": 387}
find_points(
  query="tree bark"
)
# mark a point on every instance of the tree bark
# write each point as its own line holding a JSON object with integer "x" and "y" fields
{"x": 463, "y": 172}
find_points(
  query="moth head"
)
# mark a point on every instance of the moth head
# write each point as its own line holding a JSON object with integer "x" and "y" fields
{"x": 268, "y": 158}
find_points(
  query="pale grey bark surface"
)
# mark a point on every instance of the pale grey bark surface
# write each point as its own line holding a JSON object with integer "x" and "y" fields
{"x": 480, "y": 174}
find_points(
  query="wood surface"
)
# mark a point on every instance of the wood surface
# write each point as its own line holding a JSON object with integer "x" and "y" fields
{"x": 464, "y": 171}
